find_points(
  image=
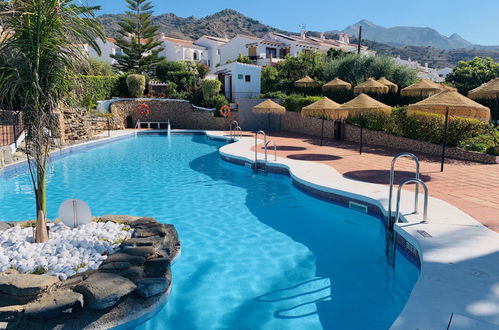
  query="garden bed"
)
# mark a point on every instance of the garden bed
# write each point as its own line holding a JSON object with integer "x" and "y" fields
{"x": 108, "y": 272}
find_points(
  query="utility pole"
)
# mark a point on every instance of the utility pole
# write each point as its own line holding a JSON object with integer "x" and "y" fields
{"x": 360, "y": 38}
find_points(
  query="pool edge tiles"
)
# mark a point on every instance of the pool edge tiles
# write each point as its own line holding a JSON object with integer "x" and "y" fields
{"x": 442, "y": 249}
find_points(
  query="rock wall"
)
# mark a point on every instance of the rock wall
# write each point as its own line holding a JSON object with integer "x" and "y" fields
{"x": 75, "y": 124}
{"x": 180, "y": 113}
{"x": 294, "y": 122}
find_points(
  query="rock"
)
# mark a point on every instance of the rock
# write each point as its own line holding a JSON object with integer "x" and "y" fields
{"x": 143, "y": 251}
{"x": 26, "y": 284}
{"x": 124, "y": 219}
{"x": 146, "y": 241}
{"x": 133, "y": 274}
{"x": 72, "y": 281}
{"x": 134, "y": 260}
{"x": 54, "y": 304}
{"x": 149, "y": 287}
{"x": 11, "y": 313}
{"x": 4, "y": 226}
{"x": 115, "y": 266}
{"x": 156, "y": 267}
{"x": 144, "y": 222}
{"x": 149, "y": 231}
{"x": 103, "y": 290}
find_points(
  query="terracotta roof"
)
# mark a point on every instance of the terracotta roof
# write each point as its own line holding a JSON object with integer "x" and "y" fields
{"x": 184, "y": 42}
{"x": 224, "y": 40}
{"x": 111, "y": 40}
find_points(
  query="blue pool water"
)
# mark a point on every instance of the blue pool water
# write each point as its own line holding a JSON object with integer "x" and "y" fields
{"x": 256, "y": 252}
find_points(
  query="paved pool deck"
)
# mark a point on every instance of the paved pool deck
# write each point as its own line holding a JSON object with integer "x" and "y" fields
{"x": 471, "y": 187}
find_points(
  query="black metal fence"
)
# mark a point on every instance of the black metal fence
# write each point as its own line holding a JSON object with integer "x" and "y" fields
{"x": 11, "y": 127}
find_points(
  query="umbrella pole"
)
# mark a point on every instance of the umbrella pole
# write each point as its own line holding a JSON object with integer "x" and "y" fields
{"x": 496, "y": 121}
{"x": 361, "y": 133}
{"x": 322, "y": 131}
{"x": 445, "y": 139}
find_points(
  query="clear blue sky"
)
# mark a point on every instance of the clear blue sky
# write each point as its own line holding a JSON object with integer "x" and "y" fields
{"x": 476, "y": 21}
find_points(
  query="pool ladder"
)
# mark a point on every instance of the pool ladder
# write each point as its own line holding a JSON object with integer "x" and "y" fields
{"x": 265, "y": 146}
{"x": 236, "y": 133}
{"x": 416, "y": 180}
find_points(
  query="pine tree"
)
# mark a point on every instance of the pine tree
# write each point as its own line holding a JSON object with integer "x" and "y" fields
{"x": 138, "y": 42}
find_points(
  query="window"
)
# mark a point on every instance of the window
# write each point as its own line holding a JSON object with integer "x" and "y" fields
{"x": 195, "y": 56}
{"x": 270, "y": 52}
{"x": 240, "y": 76}
{"x": 247, "y": 78}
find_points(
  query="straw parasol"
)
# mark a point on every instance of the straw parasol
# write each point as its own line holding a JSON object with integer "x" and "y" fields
{"x": 371, "y": 86}
{"x": 361, "y": 105}
{"x": 449, "y": 102}
{"x": 324, "y": 109}
{"x": 337, "y": 84}
{"x": 393, "y": 88}
{"x": 488, "y": 90}
{"x": 305, "y": 82}
{"x": 422, "y": 88}
{"x": 269, "y": 107}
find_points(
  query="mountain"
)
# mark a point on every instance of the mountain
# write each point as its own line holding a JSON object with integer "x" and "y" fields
{"x": 407, "y": 36}
{"x": 226, "y": 23}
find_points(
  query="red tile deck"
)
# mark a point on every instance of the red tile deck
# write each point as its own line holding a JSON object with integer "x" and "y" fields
{"x": 471, "y": 187}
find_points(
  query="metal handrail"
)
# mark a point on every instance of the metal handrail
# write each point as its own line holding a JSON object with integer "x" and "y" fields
{"x": 231, "y": 130}
{"x": 425, "y": 205}
{"x": 392, "y": 177}
{"x": 238, "y": 133}
{"x": 256, "y": 149}
{"x": 275, "y": 149}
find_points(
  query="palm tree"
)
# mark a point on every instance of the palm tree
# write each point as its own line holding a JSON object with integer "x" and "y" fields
{"x": 41, "y": 51}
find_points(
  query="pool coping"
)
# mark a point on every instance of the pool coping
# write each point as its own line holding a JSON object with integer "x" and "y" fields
{"x": 452, "y": 269}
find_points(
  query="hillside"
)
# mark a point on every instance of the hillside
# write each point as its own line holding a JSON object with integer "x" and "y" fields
{"x": 407, "y": 36}
{"x": 228, "y": 23}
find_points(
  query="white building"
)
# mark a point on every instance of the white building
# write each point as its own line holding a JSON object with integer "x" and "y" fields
{"x": 107, "y": 47}
{"x": 178, "y": 49}
{"x": 212, "y": 44}
{"x": 424, "y": 71}
{"x": 257, "y": 49}
{"x": 239, "y": 80}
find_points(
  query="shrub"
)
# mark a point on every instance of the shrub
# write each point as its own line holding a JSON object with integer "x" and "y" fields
{"x": 136, "y": 84}
{"x": 375, "y": 120}
{"x": 297, "y": 102}
{"x": 96, "y": 67}
{"x": 210, "y": 88}
{"x": 272, "y": 95}
{"x": 90, "y": 89}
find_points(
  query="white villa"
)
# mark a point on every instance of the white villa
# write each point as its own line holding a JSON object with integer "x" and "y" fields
{"x": 108, "y": 47}
{"x": 178, "y": 49}
{"x": 425, "y": 71}
{"x": 212, "y": 44}
{"x": 239, "y": 80}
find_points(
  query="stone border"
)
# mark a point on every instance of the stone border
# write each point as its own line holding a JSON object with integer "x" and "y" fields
{"x": 130, "y": 285}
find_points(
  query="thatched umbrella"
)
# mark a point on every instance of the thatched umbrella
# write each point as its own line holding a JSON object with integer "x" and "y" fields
{"x": 324, "y": 109}
{"x": 361, "y": 105}
{"x": 371, "y": 86}
{"x": 422, "y": 88}
{"x": 269, "y": 107}
{"x": 488, "y": 90}
{"x": 337, "y": 84}
{"x": 450, "y": 102}
{"x": 393, "y": 88}
{"x": 305, "y": 82}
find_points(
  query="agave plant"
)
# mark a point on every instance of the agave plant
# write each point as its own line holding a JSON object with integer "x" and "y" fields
{"x": 41, "y": 50}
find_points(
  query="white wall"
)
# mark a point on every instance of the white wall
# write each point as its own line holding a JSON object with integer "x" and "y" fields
{"x": 174, "y": 51}
{"x": 240, "y": 87}
{"x": 236, "y": 46}
{"x": 212, "y": 55}
{"x": 107, "y": 48}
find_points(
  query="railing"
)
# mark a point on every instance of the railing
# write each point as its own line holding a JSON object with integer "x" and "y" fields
{"x": 232, "y": 127}
{"x": 275, "y": 149}
{"x": 238, "y": 134}
{"x": 425, "y": 206}
{"x": 256, "y": 149}
{"x": 392, "y": 176}
{"x": 11, "y": 127}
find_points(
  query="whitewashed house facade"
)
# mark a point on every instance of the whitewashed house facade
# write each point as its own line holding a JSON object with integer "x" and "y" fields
{"x": 178, "y": 49}
{"x": 212, "y": 45}
{"x": 239, "y": 80}
{"x": 107, "y": 47}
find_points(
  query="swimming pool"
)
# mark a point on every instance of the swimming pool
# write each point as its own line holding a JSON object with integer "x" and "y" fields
{"x": 257, "y": 253}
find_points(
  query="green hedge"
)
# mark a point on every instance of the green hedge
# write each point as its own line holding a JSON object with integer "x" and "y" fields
{"x": 297, "y": 102}
{"x": 90, "y": 89}
{"x": 428, "y": 127}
